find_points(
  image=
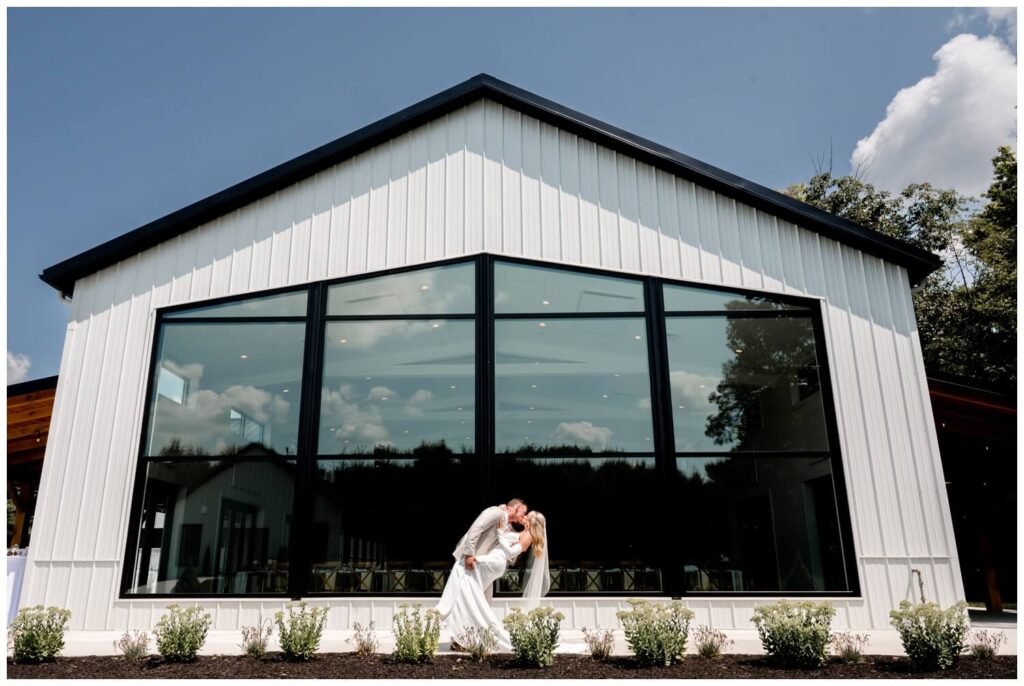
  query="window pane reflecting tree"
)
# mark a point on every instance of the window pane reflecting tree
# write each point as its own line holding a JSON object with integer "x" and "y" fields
{"x": 389, "y": 525}
{"x": 603, "y": 517}
{"x": 226, "y": 389}
{"x": 571, "y": 386}
{"x": 219, "y": 526}
{"x": 391, "y": 386}
{"x": 745, "y": 384}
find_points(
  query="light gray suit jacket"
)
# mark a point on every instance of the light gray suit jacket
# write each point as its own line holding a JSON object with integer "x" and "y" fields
{"x": 482, "y": 535}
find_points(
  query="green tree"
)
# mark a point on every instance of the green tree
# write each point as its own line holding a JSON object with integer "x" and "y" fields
{"x": 992, "y": 240}
{"x": 967, "y": 312}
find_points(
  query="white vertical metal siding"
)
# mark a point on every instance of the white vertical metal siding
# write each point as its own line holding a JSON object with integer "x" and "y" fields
{"x": 488, "y": 178}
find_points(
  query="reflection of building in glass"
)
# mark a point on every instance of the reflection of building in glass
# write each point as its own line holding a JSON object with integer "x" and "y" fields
{"x": 215, "y": 527}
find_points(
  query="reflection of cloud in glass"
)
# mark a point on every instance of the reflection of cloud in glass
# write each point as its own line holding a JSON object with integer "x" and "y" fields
{"x": 692, "y": 390}
{"x": 358, "y": 422}
{"x": 351, "y": 420}
{"x": 414, "y": 406}
{"x": 584, "y": 433}
{"x": 204, "y": 420}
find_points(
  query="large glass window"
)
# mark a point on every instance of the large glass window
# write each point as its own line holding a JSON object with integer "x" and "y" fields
{"x": 389, "y": 409}
{"x": 752, "y": 445}
{"x": 573, "y": 426}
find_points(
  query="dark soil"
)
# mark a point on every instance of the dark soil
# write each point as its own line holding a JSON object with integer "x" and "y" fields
{"x": 351, "y": 666}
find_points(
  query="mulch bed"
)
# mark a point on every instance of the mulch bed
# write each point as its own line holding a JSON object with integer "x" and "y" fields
{"x": 351, "y": 666}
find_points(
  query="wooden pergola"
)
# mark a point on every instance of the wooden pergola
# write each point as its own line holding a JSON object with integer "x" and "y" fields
{"x": 29, "y": 408}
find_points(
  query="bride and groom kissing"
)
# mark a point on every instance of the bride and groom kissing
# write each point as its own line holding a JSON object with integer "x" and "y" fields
{"x": 481, "y": 558}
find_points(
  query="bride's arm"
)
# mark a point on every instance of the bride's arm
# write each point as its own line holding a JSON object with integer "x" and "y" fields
{"x": 525, "y": 539}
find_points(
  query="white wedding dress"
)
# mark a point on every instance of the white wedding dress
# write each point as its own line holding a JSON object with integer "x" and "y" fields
{"x": 464, "y": 604}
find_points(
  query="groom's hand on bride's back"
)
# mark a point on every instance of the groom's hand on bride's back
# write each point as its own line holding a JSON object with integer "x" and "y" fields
{"x": 470, "y": 562}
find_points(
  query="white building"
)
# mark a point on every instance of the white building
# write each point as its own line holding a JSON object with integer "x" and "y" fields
{"x": 308, "y": 384}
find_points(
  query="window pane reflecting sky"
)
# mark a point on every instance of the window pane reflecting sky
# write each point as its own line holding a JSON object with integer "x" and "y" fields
{"x": 579, "y": 383}
{"x": 397, "y": 384}
{"x": 235, "y": 387}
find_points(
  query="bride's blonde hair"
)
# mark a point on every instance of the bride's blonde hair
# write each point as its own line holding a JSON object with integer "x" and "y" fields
{"x": 538, "y": 527}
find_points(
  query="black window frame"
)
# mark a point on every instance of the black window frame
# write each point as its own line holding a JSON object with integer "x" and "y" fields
{"x": 663, "y": 444}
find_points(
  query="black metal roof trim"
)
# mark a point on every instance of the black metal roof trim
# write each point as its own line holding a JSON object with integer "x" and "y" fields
{"x": 63, "y": 275}
{"x": 32, "y": 386}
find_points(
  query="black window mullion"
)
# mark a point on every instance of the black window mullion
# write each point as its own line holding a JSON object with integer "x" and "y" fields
{"x": 300, "y": 563}
{"x": 664, "y": 431}
{"x": 485, "y": 375}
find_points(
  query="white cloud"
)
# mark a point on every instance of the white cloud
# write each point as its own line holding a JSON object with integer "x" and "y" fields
{"x": 354, "y": 424}
{"x": 1001, "y": 21}
{"x": 584, "y": 433}
{"x": 17, "y": 367}
{"x": 945, "y": 128}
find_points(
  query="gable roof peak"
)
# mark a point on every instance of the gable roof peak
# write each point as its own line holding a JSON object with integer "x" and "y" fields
{"x": 63, "y": 275}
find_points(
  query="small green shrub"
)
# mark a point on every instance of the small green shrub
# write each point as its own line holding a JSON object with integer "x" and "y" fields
{"x": 535, "y": 635}
{"x": 985, "y": 645}
{"x": 849, "y": 648}
{"x": 656, "y": 632}
{"x": 416, "y": 636}
{"x": 795, "y": 634}
{"x": 932, "y": 638}
{"x": 600, "y": 642}
{"x": 365, "y": 639}
{"x": 37, "y": 633}
{"x": 710, "y": 643}
{"x": 255, "y": 638}
{"x": 181, "y": 633}
{"x": 478, "y": 642}
{"x": 299, "y": 628}
{"x": 133, "y": 646}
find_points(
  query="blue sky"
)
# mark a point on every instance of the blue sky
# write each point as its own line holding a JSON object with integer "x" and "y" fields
{"x": 117, "y": 117}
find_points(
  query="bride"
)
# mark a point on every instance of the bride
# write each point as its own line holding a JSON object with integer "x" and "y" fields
{"x": 464, "y": 603}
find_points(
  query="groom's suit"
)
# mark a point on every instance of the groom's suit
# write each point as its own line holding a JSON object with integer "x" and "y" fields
{"x": 482, "y": 537}
{"x": 483, "y": 533}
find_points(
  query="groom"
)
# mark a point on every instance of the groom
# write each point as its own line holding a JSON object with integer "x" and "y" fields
{"x": 483, "y": 533}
